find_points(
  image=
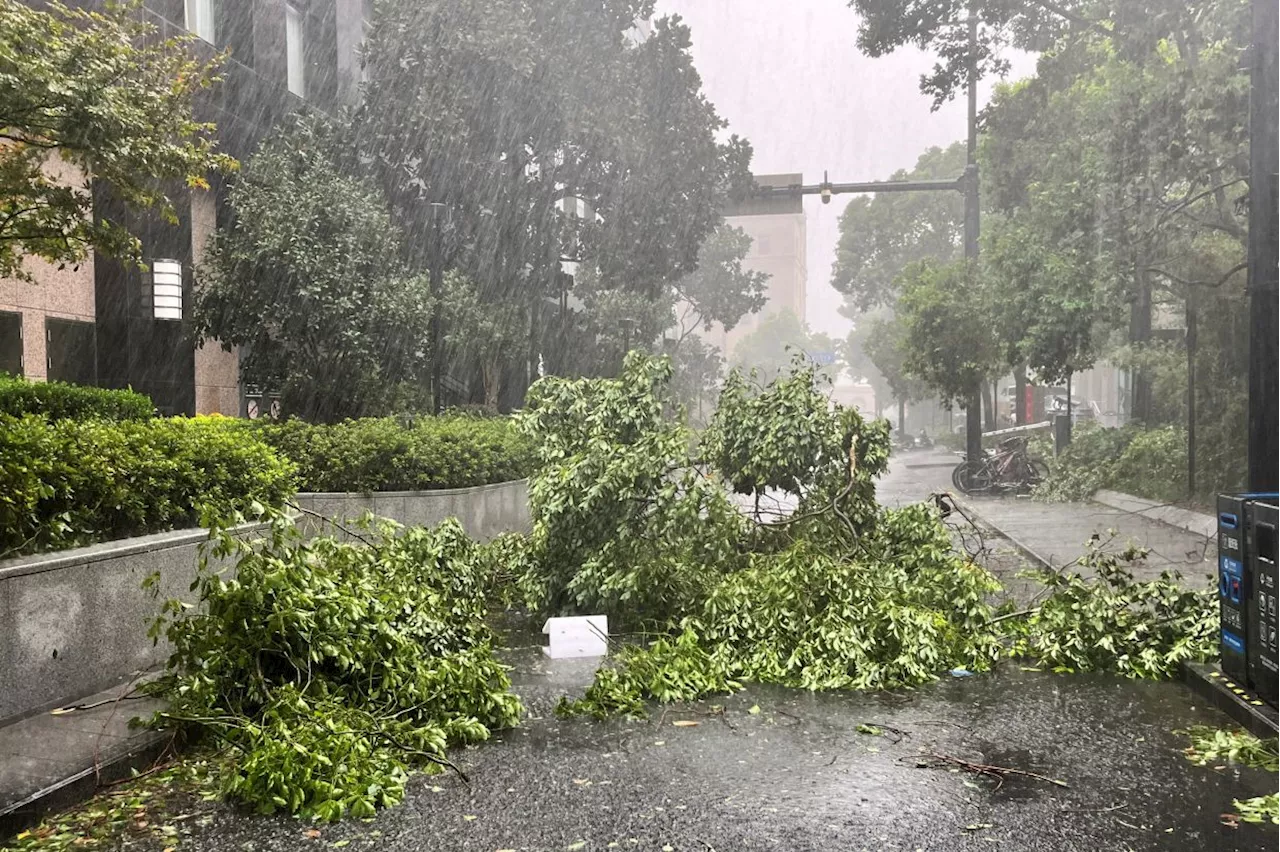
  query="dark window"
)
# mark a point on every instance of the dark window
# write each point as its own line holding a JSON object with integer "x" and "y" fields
{"x": 72, "y": 350}
{"x": 10, "y": 343}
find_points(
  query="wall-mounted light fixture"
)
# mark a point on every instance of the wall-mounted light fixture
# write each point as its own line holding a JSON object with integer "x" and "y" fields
{"x": 166, "y": 289}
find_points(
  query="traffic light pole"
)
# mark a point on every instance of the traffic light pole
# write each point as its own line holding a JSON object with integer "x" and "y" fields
{"x": 966, "y": 183}
{"x": 1263, "y": 327}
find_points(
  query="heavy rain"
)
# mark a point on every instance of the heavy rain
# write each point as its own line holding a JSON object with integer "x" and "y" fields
{"x": 680, "y": 425}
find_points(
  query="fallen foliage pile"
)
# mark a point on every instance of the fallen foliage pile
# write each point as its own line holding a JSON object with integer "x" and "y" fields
{"x": 634, "y": 517}
{"x": 328, "y": 668}
{"x": 1212, "y": 745}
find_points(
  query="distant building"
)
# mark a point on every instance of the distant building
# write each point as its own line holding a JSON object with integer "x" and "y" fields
{"x": 95, "y": 324}
{"x": 778, "y": 249}
{"x": 859, "y": 395}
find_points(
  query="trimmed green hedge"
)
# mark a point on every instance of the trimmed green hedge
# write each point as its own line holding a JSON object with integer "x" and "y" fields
{"x": 381, "y": 454}
{"x": 66, "y": 483}
{"x": 62, "y": 401}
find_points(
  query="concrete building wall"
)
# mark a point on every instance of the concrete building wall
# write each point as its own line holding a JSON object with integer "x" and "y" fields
{"x": 778, "y": 249}
{"x": 53, "y": 293}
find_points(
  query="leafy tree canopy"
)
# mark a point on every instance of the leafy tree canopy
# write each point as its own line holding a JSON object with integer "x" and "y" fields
{"x": 93, "y": 95}
{"x": 949, "y": 336}
{"x": 306, "y": 278}
{"x": 777, "y": 341}
{"x": 546, "y": 129}
{"x": 721, "y": 290}
{"x": 880, "y": 235}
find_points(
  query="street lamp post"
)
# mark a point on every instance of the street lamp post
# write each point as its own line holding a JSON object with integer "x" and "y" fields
{"x": 972, "y": 226}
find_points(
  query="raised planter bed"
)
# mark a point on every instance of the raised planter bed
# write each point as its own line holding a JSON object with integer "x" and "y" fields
{"x": 75, "y": 622}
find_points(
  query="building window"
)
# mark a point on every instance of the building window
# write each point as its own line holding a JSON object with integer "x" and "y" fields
{"x": 10, "y": 343}
{"x": 295, "y": 49}
{"x": 201, "y": 19}
{"x": 72, "y": 351}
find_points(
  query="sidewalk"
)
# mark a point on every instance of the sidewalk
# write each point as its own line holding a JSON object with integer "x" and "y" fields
{"x": 49, "y": 761}
{"x": 1054, "y": 534}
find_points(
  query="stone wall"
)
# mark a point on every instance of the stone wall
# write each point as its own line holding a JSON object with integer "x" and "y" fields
{"x": 75, "y": 622}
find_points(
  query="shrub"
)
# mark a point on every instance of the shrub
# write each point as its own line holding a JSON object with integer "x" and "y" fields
{"x": 70, "y": 482}
{"x": 1154, "y": 465}
{"x": 329, "y": 667}
{"x": 1086, "y": 464}
{"x": 62, "y": 401}
{"x": 1149, "y": 463}
{"x": 382, "y": 454}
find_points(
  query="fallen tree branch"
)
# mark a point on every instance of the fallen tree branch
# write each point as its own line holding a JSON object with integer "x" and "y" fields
{"x": 991, "y": 771}
{"x": 328, "y": 520}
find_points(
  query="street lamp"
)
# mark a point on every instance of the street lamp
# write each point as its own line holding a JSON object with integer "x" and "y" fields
{"x": 166, "y": 289}
{"x": 824, "y": 189}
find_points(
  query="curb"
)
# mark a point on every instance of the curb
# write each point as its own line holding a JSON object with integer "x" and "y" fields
{"x": 1022, "y": 547}
{"x": 1187, "y": 520}
{"x": 81, "y": 786}
{"x": 1250, "y": 712}
{"x": 1205, "y": 680}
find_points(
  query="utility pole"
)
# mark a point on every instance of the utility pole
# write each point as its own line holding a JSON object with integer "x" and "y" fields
{"x": 1263, "y": 327}
{"x": 973, "y": 410}
{"x": 437, "y": 290}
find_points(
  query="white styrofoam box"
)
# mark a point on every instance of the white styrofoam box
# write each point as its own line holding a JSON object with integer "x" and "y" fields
{"x": 577, "y": 636}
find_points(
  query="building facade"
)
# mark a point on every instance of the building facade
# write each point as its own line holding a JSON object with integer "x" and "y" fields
{"x": 778, "y": 249}
{"x": 94, "y": 324}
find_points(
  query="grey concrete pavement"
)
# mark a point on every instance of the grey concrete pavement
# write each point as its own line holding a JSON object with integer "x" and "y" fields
{"x": 49, "y": 761}
{"x": 1057, "y": 533}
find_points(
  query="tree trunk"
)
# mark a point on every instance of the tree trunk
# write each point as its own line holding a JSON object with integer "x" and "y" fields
{"x": 492, "y": 373}
{"x": 1020, "y": 395}
{"x": 902, "y": 417}
{"x": 988, "y": 404}
{"x": 1140, "y": 333}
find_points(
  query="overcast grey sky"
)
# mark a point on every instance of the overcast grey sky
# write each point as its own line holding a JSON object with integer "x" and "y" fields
{"x": 787, "y": 74}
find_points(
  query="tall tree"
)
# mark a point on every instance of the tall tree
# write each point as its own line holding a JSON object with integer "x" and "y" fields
{"x": 721, "y": 291}
{"x": 483, "y": 332}
{"x": 881, "y": 235}
{"x": 875, "y": 351}
{"x": 307, "y": 279}
{"x": 949, "y": 338}
{"x": 546, "y": 129}
{"x": 101, "y": 92}
{"x": 777, "y": 341}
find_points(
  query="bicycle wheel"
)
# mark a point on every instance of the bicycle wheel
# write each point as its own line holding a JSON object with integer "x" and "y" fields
{"x": 1037, "y": 471}
{"x": 971, "y": 477}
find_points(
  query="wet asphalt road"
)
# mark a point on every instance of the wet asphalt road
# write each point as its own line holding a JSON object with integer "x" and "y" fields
{"x": 799, "y": 775}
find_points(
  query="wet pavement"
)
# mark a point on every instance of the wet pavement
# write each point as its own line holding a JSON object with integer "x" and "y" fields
{"x": 798, "y": 773}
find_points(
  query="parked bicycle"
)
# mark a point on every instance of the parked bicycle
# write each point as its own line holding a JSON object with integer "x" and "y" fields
{"x": 1009, "y": 467}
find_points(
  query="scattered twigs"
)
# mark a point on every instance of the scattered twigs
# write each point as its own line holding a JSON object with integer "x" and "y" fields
{"x": 889, "y": 732}
{"x": 328, "y": 520}
{"x": 157, "y": 767}
{"x": 933, "y": 760}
